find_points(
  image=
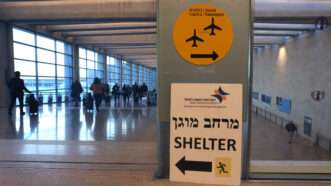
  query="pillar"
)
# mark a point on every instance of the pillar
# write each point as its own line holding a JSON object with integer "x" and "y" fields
{"x": 6, "y": 62}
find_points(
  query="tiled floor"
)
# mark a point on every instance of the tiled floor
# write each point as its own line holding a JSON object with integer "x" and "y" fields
{"x": 59, "y": 128}
{"x": 106, "y": 175}
{"x": 270, "y": 142}
{"x": 117, "y": 146}
{"x": 67, "y": 123}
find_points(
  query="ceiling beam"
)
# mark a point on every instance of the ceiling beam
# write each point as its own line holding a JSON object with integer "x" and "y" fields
{"x": 134, "y": 51}
{"x": 100, "y": 27}
{"x": 127, "y": 47}
{"x": 284, "y": 29}
{"x": 109, "y": 34}
{"x": 275, "y": 35}
{"x": 105, "y": 40}
{"x": 56, "y": 11}
{"x": 288, "y": 20}
{"x": 141, "y": 56}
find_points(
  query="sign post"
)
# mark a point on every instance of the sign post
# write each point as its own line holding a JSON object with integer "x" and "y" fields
{"x": 204, "y": 51}
{"x": 206, "y": 133}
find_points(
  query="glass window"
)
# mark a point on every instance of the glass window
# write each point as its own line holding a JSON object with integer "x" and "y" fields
{"x": 90, "y": 55}
{"x": 67, "y": 49}
{"x": 82, "y": 53}
{"x": 30, "y": 83}
{"x": 23, "y": 36}
{"x": 114, "y": 68}
{"x": 100, "y": 74}
{"x": 64, "y": 83}
{"x": 110, "y": 61}
{"x": 63, "y": 71}
{"x": 45, "y": 56}
{"x": 24, "y": 52}
{"x": 46, "y": 83}
{"x": 27, "y": 68}
{"x": 82, "y": 63}
{"x": 62, "y": 59}
{"x": 91, "y": 66}
{"x": 46, "y": 69}
{"x": 59, "y": 46}
{"x": 52, "y": 61}
{"x": 82, "y": 73}
{"x": 45, "y": 42}
{"x": 90, "y": 73}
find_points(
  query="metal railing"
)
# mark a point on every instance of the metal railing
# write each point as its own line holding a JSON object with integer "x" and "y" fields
{"x": 319, "y": 140}
{"x": 268, "y": 115}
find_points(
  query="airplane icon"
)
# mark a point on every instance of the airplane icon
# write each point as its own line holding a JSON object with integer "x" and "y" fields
{"x": 194, "y": 38}
{"x": 220, "y": 94}
{"x": 212, "y": 27}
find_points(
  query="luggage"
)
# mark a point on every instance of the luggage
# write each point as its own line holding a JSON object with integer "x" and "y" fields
{"x": 88, "y": 102}
{"x": 66, "y": 99}
{"x": 50, "y": 99}
{"x": 33, "y": 105}
{"x": 40, "y": 99}
{"x": 107, "y": 100}
{"x": 58, "y": 99}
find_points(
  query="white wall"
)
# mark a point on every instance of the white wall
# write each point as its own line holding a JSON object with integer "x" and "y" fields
{"x": 293, "y": 71}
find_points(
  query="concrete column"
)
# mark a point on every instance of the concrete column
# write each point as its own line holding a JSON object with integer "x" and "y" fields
{"x": 75, "y": 63}
{"x": 233, "y": 68}
{"x": 6, "y": 62}
{"x": 105, "y": 67}
{"x": 121, "y": 71}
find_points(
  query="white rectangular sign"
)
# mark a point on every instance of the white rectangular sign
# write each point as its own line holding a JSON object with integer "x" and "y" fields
{"x": 206, "y": 133}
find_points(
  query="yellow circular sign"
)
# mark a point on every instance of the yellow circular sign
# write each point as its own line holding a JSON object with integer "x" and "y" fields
{"x": 203, "y": 34}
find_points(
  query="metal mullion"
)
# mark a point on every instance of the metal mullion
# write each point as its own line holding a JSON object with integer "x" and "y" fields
{"x": 56, "y": 90}
{"x": 21, "y": 43}
{"x": 27, "y": 60}
{"x": 26, "y": 29}
{"x": 46, "y": 63}
{"x": 49, "y": 50}
{"x": 36, "y": 63}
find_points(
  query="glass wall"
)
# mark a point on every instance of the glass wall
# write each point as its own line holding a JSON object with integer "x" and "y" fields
{"x": 114, "y": 71}
{"x": 91, "y": 65}
{"x": 129, "y": 73}
{"x": 45, "y": 63}
{"x": 126, "y": 73}
{"x": 134, "y": 73}
{"x": 140, "y": 74}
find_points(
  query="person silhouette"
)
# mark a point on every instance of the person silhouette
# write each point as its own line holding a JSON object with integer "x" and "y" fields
{"x": 16, "y": 87}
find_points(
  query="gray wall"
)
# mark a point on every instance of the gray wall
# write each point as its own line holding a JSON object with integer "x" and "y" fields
{"x": 293, "y": 71}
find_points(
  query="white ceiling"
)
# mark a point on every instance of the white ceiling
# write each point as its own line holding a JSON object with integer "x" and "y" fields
{"x": 127, "y": 28}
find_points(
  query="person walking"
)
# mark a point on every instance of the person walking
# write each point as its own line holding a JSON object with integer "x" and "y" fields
{"x": 16, "y": 87}
{"x": 125, "y": 91}
{"x": 106, "y": 91}
{"x": 292, "y": 129}
{"x": 116, "y": 93}
{"x": 97, "y": 88}
{"x": 135, "y": 91}
{"x": 76, "y": 90}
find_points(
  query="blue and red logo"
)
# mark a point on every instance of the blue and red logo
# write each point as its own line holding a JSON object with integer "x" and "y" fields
{"x": 220, "y": 94}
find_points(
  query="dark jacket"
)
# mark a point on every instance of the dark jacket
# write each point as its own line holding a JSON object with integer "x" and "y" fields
{"x": 76, "y": 89}
{"x": 16, "y": 86}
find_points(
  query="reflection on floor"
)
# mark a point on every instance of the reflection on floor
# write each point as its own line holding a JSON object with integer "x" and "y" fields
{"x": 64, "y": 122}
{"x": 64, "y": 133}
{"x": 122, "y": 134}
{"x": 270, "y": 142}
